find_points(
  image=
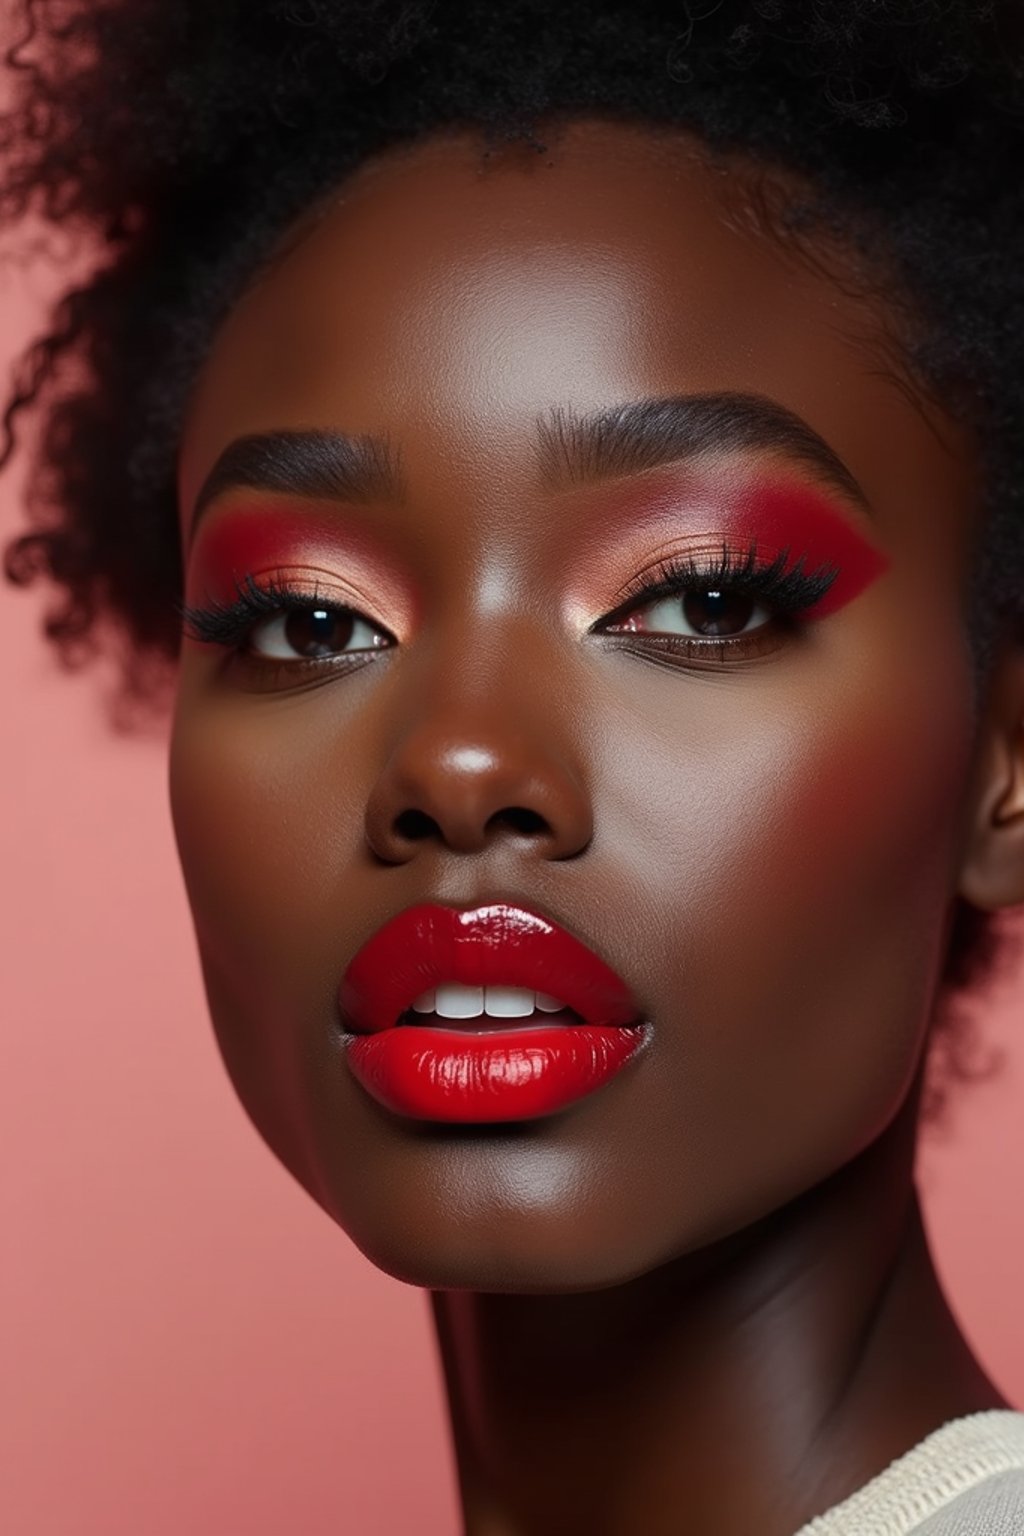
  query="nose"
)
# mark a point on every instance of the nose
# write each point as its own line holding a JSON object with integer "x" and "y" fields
{"x": 480, "y": 759}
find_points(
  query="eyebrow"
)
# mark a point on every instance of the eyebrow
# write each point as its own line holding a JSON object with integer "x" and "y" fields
{"x": 578, "y": 449}
{"x": 646, "y": 434}
{"x": 305, "y": 463}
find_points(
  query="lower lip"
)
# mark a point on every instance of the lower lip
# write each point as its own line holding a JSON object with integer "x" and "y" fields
{"x": 489, "y": 1076}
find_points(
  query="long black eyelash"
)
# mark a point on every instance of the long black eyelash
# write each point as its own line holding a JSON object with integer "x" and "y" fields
{"x": 228, "y": 623}
{"x": 789, "y": 591}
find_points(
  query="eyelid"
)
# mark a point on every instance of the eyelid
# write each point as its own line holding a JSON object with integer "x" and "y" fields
{"x": 324, "y": 586}
{"x": 310, "y": 544}
{"x": 782, "y": 584}
{"x": 709, "y": 554}
{"x": 855, "y": 568}
{"x": 305, "y": 583}
{"x": 686, "y": 509}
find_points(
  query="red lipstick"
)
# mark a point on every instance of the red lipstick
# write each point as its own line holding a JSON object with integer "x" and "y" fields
{"x": 483, "y": 1069}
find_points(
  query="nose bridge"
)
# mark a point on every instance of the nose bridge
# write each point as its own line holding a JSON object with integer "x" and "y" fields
{"x": 483, "y": 744}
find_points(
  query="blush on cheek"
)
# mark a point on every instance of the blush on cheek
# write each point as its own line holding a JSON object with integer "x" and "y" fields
{"x": 836, "y": 884}
{"x": 871, "y": 809}
{"x": 319, "y": 547}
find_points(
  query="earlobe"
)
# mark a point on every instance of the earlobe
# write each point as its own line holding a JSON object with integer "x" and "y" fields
{"x": 992, "y": 870}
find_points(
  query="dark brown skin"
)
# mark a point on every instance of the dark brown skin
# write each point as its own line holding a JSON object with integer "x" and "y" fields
{"x": 700, "y": 1301}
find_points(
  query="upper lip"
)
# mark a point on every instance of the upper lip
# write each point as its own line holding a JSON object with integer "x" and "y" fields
{"x": 493, "y": 943}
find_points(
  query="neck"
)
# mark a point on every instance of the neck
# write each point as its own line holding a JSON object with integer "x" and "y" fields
{"x": 748, "y": 1387}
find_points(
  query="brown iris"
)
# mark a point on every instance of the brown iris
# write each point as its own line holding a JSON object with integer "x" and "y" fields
{"x": 315, "y": 632}
{"x": 717, "y": 613}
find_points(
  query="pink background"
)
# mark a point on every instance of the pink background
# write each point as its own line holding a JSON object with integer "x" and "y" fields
{"x": 187, "y": 1344}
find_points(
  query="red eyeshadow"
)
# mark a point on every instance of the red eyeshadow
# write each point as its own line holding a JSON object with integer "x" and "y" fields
{"x": 775, "y": 518}
{"x": 242, "y": 542}
{"x": 671, "y": 512}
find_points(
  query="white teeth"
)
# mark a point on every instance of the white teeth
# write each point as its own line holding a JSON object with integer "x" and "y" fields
{"x": 455, "y": 1002}
{"x": 508, "y": 1002}
{"x": 451, "y": 1000}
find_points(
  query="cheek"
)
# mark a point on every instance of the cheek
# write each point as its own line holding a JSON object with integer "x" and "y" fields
{"x": 223, "y": 792}
{"x": 267, "y": 797}
{"x": 773, "y": 800}
{"x": 814, "y": 863}
{"x": 855, "y": 809}
{"x": 860, "y": 846}
{"x": 263, "y": 820}
{"x": 866, "y": 810}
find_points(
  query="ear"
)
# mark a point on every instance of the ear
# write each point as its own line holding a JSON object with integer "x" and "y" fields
{"x": 992, "y": 869}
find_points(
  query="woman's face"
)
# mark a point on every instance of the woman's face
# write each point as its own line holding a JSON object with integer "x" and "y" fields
{"x": 753, "y": 812}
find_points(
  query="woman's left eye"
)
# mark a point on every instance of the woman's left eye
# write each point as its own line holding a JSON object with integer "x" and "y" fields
{"x": 720, "y": 606}
{"x": 313, "y": 632}
{"x": 697, "y": 615}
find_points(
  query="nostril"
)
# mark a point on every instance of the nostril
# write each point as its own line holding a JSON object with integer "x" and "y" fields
{"x": 519, "y": 818}
{"x": 415, "y": 825}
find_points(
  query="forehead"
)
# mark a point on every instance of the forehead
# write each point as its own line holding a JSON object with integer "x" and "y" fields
{"x": 446, "y": 294}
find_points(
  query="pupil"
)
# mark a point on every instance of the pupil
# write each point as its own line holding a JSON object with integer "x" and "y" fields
{"x": 314, "y": 632}
{"x": 717, "y": 613}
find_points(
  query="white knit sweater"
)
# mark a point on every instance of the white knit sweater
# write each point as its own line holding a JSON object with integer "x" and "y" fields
{"x": 965, "y": 1479}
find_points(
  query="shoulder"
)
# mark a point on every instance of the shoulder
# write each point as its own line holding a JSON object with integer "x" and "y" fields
{"x": 964, "y": 1479}
{"x": 992, "y": 1508}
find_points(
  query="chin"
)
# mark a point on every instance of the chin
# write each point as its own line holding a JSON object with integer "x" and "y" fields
{"x": 517, "y": 1264}
{"x": 494, "y": 1245}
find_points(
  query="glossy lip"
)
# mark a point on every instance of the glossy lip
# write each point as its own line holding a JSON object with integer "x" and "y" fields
{"x": 460, "y": 1076}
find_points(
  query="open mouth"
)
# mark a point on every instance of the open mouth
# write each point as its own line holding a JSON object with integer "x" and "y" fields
{"x": 487, "y": 1009}
{"x": 482, "y": 1039}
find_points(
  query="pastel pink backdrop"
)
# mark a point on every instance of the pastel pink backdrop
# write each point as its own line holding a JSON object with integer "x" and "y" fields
{"x": 187, "y": 1343}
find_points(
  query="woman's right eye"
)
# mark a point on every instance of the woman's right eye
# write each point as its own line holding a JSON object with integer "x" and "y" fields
{"x": 270, "y": 622}
{"x": 314, "y": 632}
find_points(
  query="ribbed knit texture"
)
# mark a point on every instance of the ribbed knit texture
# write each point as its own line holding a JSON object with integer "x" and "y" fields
{"x": 964, "y": 1479}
